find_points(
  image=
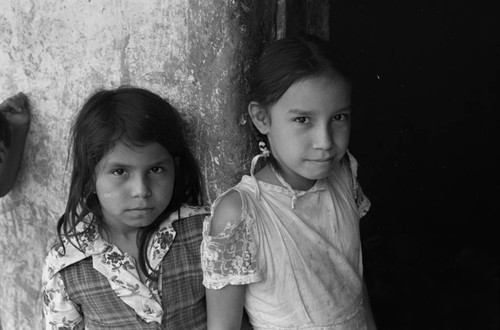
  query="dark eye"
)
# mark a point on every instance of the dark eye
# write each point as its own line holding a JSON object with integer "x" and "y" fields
{"x": 119, "y": 172}
{"x": 341, "y": 117}
{"x": 302, "y": 120}
{"x": 157, "y": 170}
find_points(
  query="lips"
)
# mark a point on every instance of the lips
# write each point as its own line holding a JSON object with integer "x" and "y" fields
{"x": 323, "y": 160}
{"x": 141, "y": 209}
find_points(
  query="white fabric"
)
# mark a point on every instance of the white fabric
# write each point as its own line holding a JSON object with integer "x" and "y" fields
{"x": 301, "y": 257}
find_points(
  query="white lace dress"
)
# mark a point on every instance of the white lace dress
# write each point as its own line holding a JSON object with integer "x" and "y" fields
{"x": 299, "y": 252}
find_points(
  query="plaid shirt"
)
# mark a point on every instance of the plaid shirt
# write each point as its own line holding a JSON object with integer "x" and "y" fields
{"x": 183, "y": 293}
{"x": 183, "y": 296}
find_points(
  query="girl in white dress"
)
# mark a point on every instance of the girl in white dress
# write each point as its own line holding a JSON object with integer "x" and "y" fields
{"x": 284, "y": 243}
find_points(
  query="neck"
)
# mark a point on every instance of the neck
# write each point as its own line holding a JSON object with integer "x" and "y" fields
{"x": 126, "y": 242}
{"x": 270, "y": 174}
{"x": 113, "y": 234}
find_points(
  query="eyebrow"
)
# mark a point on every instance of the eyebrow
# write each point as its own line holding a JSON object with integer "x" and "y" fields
{"x": 120, "y": 164}
{"x": 305, "y": 112}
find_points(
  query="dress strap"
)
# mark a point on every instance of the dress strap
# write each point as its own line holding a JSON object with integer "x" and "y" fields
{"x": 286, "y": 185}
{"x": 264, "y": 153}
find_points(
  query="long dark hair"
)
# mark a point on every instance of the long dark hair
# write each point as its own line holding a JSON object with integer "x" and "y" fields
{"x": 134, "y": 116}
{"x": 292, "y": 59}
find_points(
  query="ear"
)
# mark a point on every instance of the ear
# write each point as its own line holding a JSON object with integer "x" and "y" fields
{"x": 260, "y": 117}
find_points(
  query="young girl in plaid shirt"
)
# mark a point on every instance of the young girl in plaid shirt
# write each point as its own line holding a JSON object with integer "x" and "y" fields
{"x": 128, "y": 256}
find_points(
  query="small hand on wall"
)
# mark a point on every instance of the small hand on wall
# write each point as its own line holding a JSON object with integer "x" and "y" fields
{"x": 14, "y": 125}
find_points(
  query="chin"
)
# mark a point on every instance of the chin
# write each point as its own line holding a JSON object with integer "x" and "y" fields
{"x": 138, "y": 222}
{"x": 318, "y": 175}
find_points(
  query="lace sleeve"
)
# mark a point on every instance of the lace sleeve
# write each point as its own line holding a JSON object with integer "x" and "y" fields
{"x": 230, "y": 258}
{"x": 362, "y": 202}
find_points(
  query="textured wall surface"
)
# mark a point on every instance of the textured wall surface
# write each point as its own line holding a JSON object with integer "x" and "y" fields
{"x": 195, "y": 53}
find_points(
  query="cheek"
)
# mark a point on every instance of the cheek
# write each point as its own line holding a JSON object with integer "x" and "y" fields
{"x": 100, "y": 187}
{"x": 165, "y": 187}
{"x": 106, "y": 197}
{"x": 342, "y": 135}
{"x": 105, "y": 190}
{"x": 283, "y": 140}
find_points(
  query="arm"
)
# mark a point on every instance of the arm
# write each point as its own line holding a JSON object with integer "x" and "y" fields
{"x": 225, "y": 305}
{"x": 16, "y": 110}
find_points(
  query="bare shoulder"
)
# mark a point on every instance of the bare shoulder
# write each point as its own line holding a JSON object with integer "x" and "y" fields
{"x": 227, "y": 211}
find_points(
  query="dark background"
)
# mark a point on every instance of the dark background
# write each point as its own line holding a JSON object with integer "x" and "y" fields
{"x": 426, "y": 108}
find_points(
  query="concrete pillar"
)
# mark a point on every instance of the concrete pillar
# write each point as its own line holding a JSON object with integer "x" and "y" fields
{"x": 303, "y": 16}
{"x": 195, "y": 53}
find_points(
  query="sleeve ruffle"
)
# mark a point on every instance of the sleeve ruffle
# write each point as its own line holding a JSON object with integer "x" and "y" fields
{"x": 230, "y": 258}
{"x": 362, "y": 202}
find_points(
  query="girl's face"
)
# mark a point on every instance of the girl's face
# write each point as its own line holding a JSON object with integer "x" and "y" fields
{"x": 309, "y": 129}
{"x": 134, "y": 185}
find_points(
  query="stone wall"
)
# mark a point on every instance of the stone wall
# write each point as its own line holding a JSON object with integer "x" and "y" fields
{"x": 197, "y": 54}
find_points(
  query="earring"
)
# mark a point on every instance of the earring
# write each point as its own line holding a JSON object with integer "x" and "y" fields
{"x": 264, "y": 152}
{"x": 263, "y": 149}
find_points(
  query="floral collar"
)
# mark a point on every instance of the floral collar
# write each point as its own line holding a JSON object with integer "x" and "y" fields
{"x": 119, "y": 268}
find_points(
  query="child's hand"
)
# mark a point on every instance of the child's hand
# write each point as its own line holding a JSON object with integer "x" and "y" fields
{"x": 16, "y": 110}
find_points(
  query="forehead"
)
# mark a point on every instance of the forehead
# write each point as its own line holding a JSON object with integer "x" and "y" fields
{"x": 126, "y": 154}
{"x": 317, "y": 93}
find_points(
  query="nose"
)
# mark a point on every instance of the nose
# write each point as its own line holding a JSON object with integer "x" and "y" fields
{"x": 140, "y": 186}
{"x": 323, "y": 137}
